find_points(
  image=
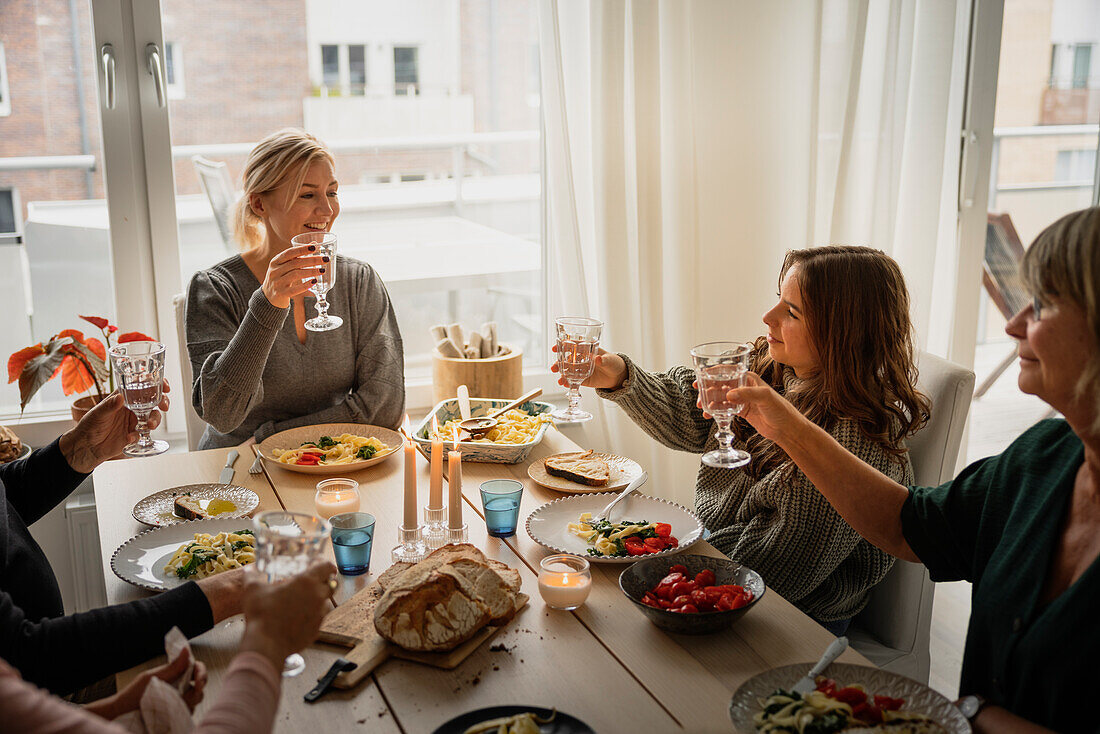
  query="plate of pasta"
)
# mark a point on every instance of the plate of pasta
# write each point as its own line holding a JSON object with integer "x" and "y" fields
{"x": 329, "y": 448}
{"x": 517, "y": 432}
{"x": 165, "y": 557}
{"x": 852, "y": 698}
{"x": 557, "y": 526}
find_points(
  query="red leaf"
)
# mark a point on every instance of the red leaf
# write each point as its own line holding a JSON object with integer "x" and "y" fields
{"x": 99, "y": 321}
{"x": 74, "y": 376}
{"x": 18, "y": 361}
{"x": 111, "y": 328}
{"x": 134, "y": 336}
{"x": 97, "y": 347}
{"x": 77, "y": 336}
{"x": 38, "y": 370}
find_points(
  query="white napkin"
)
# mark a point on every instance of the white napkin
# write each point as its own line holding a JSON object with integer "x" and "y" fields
{"x": 162, "y": 709}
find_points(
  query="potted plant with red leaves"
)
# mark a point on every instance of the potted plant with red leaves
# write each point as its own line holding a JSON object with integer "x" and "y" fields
{"x": 81, "y": 362}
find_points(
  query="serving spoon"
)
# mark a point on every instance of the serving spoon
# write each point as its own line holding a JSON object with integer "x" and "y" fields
{"x": 478, "y": 427}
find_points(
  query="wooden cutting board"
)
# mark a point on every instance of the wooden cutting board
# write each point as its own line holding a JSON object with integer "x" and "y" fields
{"x": 352, "y": 625}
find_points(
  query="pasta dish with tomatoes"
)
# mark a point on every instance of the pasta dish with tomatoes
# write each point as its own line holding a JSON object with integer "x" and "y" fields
{"x": 328, "y": 451}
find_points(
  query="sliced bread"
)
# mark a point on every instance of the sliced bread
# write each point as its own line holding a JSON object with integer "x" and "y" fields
{"x": 583, "y": 468}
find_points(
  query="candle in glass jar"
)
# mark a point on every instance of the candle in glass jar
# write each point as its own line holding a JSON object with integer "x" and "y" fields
{"x": 435, "y": 486}
{"x": 409, "y": 517}
{"x": 333, "y": 503}
{"x": 564, "y": 581}
{"x": 454, "y": 488}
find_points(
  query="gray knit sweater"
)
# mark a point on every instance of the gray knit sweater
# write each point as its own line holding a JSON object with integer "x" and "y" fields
{"x": 779, "y": 524}
{"x": 252, "y": 377}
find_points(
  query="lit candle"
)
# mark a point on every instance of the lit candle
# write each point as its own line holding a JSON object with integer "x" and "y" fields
{"x": 454, "y": 487}
{"x": 564, "y": 581}
{"x": 335, "y": 496}
{"x": 410, "y": 479}
{"x": 435, "y": 488}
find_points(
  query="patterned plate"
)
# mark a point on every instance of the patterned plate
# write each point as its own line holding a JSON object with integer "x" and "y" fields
{"x": 562, "y": 722}
{"x": 156, "y": 509}
{"x": 549, "y": 525}
{"x": 295, "y": 437}
{"x": 141, "y": 559}
{"x": 918, "y": 697}
{"x": 623, "y": 472}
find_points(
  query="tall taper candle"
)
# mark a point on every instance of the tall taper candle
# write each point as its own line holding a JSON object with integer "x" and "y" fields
{"x": 454, "y": 488}
{"x": 409, "y": 519}
{"x": 435, "y": 487}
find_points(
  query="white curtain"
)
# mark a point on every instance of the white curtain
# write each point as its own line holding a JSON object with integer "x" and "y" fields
{"x": 690, "y": 143}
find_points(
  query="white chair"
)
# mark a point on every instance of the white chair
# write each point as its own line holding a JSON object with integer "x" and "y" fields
{"x": 894, "y": 629}
{"x": 195, "y": 425}
{"x": 216, "y": 182}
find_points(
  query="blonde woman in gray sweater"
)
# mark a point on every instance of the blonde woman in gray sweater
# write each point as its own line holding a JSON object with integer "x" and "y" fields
{"x": 839, "y": 348}
{"x": 257, "y": 369}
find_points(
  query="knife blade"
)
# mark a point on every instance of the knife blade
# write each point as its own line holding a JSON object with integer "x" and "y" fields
{"x": 226, "y": 476}
{"x": 832, "y": 652}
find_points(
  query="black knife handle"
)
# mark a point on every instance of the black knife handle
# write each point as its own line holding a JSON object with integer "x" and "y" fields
{"x": 325, "y": 682}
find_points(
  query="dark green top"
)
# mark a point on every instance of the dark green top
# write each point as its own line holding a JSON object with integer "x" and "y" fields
{"x": 998, "y": 525}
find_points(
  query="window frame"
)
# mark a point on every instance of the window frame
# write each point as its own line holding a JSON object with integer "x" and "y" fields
{"x": 5, "y": 93}
{"x": 404, "y": 86}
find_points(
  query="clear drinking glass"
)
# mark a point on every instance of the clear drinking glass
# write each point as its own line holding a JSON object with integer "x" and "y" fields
{"x": 139, "y": 369}
{"x": 288, "y": 543}
{"x": 325, "y": 242}
{"x": 578, "y": 339}
{"x": 720, "y": 367}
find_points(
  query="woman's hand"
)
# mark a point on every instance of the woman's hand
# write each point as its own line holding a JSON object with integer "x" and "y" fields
{"x": 225, "y": 592}
{"x": 285, "y": 616}
{"x": 608, "y": 371}
{"x": 105, "y": 431}
{"x": 767, "y": 411}
{"x": 129, "y": 698}
{"x": 291, "y": 273}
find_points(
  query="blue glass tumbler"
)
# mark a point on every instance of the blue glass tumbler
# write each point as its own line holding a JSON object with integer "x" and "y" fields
{"x": 352, "y": 537}
{"x": 500, "y": 499}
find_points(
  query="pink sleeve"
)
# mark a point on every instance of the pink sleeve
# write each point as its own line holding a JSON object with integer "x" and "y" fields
{"x": 248, "y": 698}
{"x": 30, "y": 710}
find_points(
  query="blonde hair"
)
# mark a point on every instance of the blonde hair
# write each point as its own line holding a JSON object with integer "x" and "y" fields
{"x": 1064, "y": 261}
{"x": 269, "y": 165}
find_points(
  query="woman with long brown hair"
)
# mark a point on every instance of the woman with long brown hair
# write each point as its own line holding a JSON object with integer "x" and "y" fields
{"x": 839, "y": 348}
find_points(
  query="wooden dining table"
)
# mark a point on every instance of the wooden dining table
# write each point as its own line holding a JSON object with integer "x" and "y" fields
{"x": 604, "y": 663}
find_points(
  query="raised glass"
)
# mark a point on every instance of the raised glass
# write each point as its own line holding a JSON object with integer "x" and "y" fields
{"x": 139, "y": 370}
{"x": 325, "y": 242}
{"x": 288, "y": 543}
{"x": 719, "y": 368}
{"x": 578, "y": 340}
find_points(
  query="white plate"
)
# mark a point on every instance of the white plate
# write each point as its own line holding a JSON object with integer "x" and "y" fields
{"x": 623, "y": 472}
{"x": 141, "y": 559}
{"x": 918, "y": 697}
{"x": 156, "y": 509}
{"x": 549, "y": 525}
{"x": 293, "y": 438}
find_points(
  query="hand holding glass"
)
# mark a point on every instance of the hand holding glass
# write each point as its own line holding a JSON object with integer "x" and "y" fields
{"x": 719, "y": 368}
{"x": 140, "y": 370}
{"x": 325, "y": 242}
{"x": 578, "y": 341}
{"x": 288, "y": 543}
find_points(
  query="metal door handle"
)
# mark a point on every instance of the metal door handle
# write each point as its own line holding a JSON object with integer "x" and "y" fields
{"x": 153, "y": 64}
{"x": 107, "y": 58}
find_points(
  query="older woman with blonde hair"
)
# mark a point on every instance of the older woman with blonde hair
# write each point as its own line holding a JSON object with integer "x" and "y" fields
{"x": 1023, "y": 526}
{"x": 257, "y": 369}
{"x": 852, "y": 377}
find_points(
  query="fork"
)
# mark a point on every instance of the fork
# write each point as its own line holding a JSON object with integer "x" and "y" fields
{"x": 257, "y": 466}
{"x": 605, "y": 512}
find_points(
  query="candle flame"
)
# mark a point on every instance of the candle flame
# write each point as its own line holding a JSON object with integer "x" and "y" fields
{"x": 435, "y": 426}
{"x": 456, "y": 441}
{"x": 405, "y": 429}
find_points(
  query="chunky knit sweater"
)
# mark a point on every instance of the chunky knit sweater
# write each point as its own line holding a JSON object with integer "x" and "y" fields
{"x": 779, "y": 524}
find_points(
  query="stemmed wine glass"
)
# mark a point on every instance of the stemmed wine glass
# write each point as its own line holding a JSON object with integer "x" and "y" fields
{"x": 578, "y": 340}
{"x": 140, "y": 370}
{"x": 325, "y": 242}
{"x": 288, "y": 543}
{"x": 719, "y": 368}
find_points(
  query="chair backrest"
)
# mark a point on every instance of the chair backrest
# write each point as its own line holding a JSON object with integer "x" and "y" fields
{"x": 218, "y": 185}
{"x": 1001, "y": 266}
{"x": 899, "y": 613}
{"x": 195, "y": 425}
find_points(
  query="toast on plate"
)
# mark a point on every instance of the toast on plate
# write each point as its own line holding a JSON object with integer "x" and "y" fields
{"x": 583, "y": 468}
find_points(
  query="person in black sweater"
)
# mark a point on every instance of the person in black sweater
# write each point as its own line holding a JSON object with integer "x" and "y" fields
{"x": 65, "y": 653}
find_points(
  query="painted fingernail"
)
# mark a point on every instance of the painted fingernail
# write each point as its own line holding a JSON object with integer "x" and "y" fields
{"x": 313, "y": 280}
{"x": 324, "y": 259}
{"x": 312, "y": 248}
{"x": 322, "y": 270}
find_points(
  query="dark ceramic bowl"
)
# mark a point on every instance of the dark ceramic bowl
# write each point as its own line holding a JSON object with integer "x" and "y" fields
{"x": 643, "y": 576}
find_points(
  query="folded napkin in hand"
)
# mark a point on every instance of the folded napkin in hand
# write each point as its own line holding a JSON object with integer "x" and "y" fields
{"x": 162, "y": 709}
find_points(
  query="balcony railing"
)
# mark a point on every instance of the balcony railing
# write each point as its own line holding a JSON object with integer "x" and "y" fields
{"x": 1038, "y": 131}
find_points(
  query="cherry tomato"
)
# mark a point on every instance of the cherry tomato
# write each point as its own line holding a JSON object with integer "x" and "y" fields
{"x": 889, "y": 704}
{"x": 683, "y": 587}
{"x": 664, "y": 603}
{"x": 678, "y": 568}
{"x": 851, "y": 695}
{"x": 674, "y": 576}
{"x": 634, "y": 546}
{"x": 725, "y": 603}
{"x": 687, "y": 609}
{"x": 663, "y": 591}
{"x": 654, "y": 545}
{"x": 705, "y": 577}
{"x": 663, "y": 530}
{"x": 868, "y": 712}
{"x": 672, "y": 542}
{"x": 827, "y": 686}
{"x": 699, "y": 599}
{"x": 681, "y": 600}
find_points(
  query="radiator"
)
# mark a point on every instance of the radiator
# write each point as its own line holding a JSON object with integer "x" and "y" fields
{"x": 84, "y": 554}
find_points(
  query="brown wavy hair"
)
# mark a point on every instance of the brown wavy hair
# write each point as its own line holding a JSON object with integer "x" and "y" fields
{"x": 856, "y": 308}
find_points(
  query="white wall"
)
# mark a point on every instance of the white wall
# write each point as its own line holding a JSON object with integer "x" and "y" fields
{"x": 1075, "y": 21}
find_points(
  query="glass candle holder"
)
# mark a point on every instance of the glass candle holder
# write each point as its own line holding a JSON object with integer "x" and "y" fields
{"x": 335, "y": 496}
{"x": 564, "y": 581}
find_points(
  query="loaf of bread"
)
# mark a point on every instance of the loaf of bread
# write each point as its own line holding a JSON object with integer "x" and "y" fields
{"x": 10, "y": 445}
{"x": 444, "y": 600}
{"x": 583, "y": 468}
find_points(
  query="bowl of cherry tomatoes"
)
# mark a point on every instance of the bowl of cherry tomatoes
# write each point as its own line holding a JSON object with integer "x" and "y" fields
{"x": 692, "y": 594}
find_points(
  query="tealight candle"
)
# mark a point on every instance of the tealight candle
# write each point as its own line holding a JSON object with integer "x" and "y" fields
{"x": 335, "y": 496}
{"x": 564, "y": 581}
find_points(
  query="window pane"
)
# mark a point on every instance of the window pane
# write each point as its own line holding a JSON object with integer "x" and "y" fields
{"x": 406, "y": 75}
{"x": 51, "y": 187}
{"x": 357, "y": 69}
{"x": 444, "y": 201}
{"x": 1081, "y": 57}
{"x": 170, "y": 62}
